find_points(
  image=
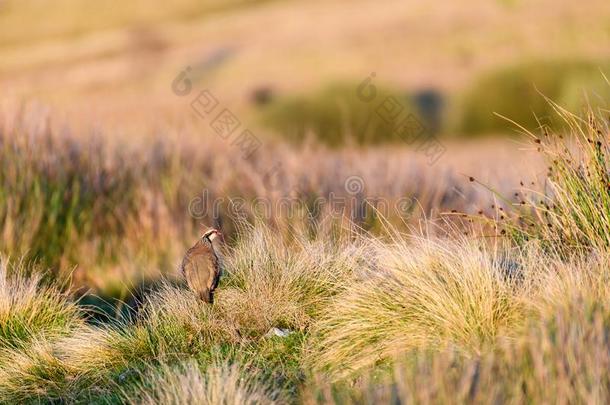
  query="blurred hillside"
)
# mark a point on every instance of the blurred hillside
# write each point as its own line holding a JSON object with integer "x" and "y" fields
{"x": 113, "y": 63}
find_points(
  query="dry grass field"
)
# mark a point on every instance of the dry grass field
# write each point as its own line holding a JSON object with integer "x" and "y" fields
{"x": 358, "y": 267}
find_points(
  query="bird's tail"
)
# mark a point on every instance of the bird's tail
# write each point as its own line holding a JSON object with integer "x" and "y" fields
{"x": 206, "y": 296}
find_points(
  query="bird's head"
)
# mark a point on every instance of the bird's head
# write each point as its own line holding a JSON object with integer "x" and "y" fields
{"x": 212, "y": 234}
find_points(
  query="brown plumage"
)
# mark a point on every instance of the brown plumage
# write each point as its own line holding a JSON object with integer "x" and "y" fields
{"x": 201, "y": 266}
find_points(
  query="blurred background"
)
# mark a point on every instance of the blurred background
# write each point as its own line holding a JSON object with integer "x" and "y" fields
{"x": 113, "y": 63}
{"x": 108, "y": 149}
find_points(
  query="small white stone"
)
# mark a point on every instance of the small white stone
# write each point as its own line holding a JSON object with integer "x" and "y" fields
{"x": 278, "y": 332}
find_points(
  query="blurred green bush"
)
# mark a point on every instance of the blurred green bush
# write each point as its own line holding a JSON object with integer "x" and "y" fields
{"x": 518, "y": 92}
{"x": 336, "y": 115}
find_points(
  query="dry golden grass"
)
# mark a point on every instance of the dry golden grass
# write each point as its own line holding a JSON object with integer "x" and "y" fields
{"x": 424, "y": 316}
{"x": 123, "y": 212}
{"x": 561, "y": 358}
{"x": 33, "y": 374}
{"x": 220, "y": 383}
{"x": 423, "y": 294}
{"x": 29, "y": 309}
{"x": 355, "y": 307}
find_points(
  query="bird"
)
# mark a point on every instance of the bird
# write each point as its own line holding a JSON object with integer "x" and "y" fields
{"x": 201, "y": 266}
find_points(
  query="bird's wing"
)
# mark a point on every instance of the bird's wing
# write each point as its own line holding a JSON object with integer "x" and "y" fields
{"x": 199, "y": 267}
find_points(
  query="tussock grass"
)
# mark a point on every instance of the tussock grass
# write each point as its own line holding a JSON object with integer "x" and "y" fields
{"x": 571, "y": 213}
{"x": 274, "y": 282}
{"x": 579, "y": 186}
{"x": 421, "y": 294}
{"x": 187, "y": 383}
{"x": 561, "y": 357}
{"x": 408, "y": 308}
{"x": 30, "y": 309}
{"x": 172, "y": 325}
{"x": 98, "y": 352}
{"x": 33, "y": 374}
{"x": 174, "y": 321}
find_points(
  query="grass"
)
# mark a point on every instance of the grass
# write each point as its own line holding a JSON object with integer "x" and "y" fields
{"x": 453, "y": 302}
{"x": 570, "y": 213}
{"x": 561, "y": 358}
{"x": 421, "y": 294}
{"x": 220, "y": 383}
{"x": 425, "y": 316}
{"x": 558, "y": 352}
{"x": 115, "y": 214}
{"x": 29, "y": 309}
{"x": 515, "y": 92}
{"x": 336, "y": 115}
{"x": 376, "y": 311}
{"x": 393, "y": 316}
{"x": 56, "y": 191}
